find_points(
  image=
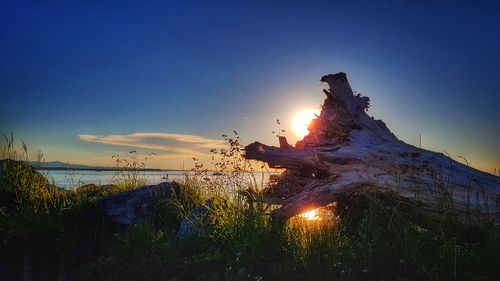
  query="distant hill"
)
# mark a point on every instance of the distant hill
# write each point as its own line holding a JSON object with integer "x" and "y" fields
{"x": 58, "y": 165}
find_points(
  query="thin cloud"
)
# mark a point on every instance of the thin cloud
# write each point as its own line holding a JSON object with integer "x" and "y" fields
{"x": 190, "y": 145}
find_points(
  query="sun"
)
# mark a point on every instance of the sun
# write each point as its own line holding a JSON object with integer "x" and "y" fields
{"x": 301, "y": 121}
{"x": 311, "y": 215}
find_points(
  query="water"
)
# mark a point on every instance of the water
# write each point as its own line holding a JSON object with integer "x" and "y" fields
{"x": 73, "y": 179}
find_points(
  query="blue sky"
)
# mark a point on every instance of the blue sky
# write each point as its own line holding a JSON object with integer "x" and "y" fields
{"x": 128, "y": 75}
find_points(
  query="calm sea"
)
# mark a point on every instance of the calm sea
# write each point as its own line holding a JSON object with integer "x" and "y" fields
{"x": 73, "y": 179}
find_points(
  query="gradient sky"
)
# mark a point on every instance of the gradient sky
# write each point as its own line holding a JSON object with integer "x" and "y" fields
{"x": 82, "y": 81}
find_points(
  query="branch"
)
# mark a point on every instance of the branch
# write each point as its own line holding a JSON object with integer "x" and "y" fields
{"x": 281, "y": 157}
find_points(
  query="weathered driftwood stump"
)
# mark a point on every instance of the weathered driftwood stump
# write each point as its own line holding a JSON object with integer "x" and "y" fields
{"x": 348, "y": 152}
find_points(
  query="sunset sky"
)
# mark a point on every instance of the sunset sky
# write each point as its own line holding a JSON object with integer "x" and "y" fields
{"x": 83, "y": 81}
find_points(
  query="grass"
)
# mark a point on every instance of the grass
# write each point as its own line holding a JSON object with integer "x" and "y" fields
{"x": 366, "y": 238}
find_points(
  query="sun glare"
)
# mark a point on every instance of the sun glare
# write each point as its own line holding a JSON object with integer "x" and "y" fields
{"x": 301, "y": 121}
{"x": 311, "y": 215}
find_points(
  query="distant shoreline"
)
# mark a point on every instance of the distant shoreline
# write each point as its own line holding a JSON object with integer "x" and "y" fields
{"x": 104, "y": 169}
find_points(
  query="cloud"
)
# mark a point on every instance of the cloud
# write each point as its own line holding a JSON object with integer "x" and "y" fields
{"x": 174, "y": 144}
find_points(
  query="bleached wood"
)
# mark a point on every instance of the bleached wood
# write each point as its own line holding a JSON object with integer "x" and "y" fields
{"x": 348, "y": 151}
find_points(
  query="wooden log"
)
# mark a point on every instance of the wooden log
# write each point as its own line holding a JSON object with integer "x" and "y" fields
{"x": 347, "y": 151}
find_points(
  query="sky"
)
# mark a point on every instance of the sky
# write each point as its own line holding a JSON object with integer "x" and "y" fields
{"x": 82, "y": 81}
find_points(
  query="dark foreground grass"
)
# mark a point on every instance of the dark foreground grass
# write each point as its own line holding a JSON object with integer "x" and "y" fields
{"x": 244, "y": 244}
{"x": 367, "y": 238}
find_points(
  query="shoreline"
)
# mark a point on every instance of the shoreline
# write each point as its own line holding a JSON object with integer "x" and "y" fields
{"x": 103, "y": 169}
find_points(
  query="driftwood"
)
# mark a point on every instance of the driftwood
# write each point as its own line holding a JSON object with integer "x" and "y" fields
{"x": 347, "y": 152}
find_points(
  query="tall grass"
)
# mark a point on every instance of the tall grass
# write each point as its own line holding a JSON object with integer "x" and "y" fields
{"x": 368, "y": 238}
{"x": 131, "y": 172}
{"x": 363, "y": 238}
{"x": 39, "y": 221}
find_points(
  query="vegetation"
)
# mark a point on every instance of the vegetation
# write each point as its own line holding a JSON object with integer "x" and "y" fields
{"x": 361, "y": 238}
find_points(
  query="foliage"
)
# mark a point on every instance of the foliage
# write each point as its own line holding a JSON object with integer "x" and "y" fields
{"x": 380, "y": 240}
{"x": 131, "y": 170}
{"x": 366, "y": 238}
